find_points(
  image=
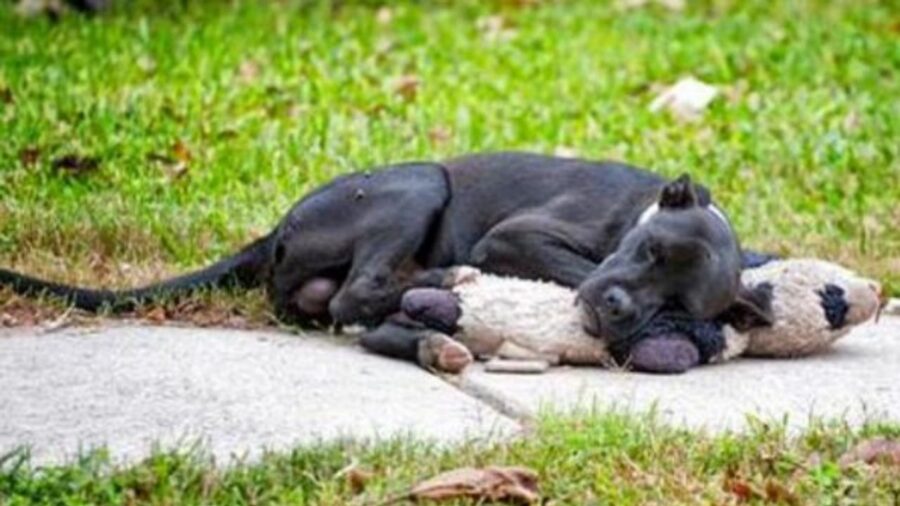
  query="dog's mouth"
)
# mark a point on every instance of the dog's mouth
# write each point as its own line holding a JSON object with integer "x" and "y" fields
{"x": 590, "y": 320}
{"x": 617, "y": 332}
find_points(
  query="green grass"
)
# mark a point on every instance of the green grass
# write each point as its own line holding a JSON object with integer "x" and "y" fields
{"x": 271, "y": 99}
{"x": 590, "y": 459}
{"x": 802, "y": 150}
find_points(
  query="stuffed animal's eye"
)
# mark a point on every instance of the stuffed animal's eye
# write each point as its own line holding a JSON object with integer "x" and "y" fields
{"x": 835, "y": 305}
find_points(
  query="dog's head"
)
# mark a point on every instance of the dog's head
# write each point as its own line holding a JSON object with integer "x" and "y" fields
{"x": 681, "y": 254}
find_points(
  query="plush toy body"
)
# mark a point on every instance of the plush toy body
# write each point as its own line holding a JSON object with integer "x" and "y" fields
{"x": 510, "y": 319}
{"x": 814, "y": 302}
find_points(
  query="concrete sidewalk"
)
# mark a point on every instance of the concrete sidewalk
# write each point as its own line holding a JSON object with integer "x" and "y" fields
{"x": 128, "y": 387}
{"x": 857, "y": 380}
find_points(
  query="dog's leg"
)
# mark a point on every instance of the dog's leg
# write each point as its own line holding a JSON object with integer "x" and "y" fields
{"x": 534, "y": 247}
{"x": 414, "y": 343}
{"x": 433, "y": 307}
{"x": 362, "y": 231}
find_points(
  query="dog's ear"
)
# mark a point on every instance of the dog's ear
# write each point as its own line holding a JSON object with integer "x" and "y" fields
{"x": 752, "y": 308}
{"x": 678, "y": 194}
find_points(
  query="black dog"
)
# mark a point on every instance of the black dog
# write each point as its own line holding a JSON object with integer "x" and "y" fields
{"x": 631, "y": 241}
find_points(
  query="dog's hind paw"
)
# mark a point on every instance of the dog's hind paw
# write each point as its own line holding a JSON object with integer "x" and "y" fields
{"x": 441, "y": 352}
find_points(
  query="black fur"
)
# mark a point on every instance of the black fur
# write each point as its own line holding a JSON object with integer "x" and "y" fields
{"x": 243, "y": 270}
{"x": 707, "y": 336}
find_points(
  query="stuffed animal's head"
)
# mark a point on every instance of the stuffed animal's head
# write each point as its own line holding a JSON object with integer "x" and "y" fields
{"x": 813, "y": 302}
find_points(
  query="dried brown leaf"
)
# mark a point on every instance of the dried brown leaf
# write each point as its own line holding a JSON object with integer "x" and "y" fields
{"x": 209, "y": 318}
{"x": 495, "y": 483}
{"x": 672, "y": 5}
{"x": 873, "y": 451}
{"x": 894, "y": 26}
{"x": 6, "y": 96}
{"x": 439, "y": 135}
{"x": 156, "y": 315}
{"x": 181, "y": 152}
{"x": 407, "y": 86}
{"x": 780, "y": 494}
{"x": 75, "y": 164}
{"x": 357, "y": 479}
{"x": 742, "y": 490}
{"x": 29, "y": 156}
{"x": 248, "y": 71}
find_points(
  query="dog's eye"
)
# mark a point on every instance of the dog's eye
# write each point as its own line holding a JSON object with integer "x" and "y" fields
{"x": 657, "y": 253}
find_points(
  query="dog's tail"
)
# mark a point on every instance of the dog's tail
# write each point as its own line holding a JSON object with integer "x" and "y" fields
{"x": 245, "y": 269}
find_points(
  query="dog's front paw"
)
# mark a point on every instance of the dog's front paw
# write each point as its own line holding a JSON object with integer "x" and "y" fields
{"x": 435, "y": 308}
{"x": 441, "y": 352}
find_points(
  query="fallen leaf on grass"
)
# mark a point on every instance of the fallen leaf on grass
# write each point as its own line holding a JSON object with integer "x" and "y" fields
{"x": 181, "y": 152}
{"x": 516, "y": 485}
{"x": 29, "y": 156}
{"x": 6, "y": 96}
{"x": 356, "y": 478}
{"x": 495, "y": 28}
{"x": 175, "y": 165}
{"x": 407, "y": 86}
{"x": 156, "y": 315}
{"x": 686, "y": 99}
{"x": 384, "y": 15}
{"x": 894, "y": 26}
{"x": 672, "y": 5}
{"x": 739, "y": 488}
{"x": 248, "y": 71}
{"x": 780, "y": 494}
{"x": 75, "y": 164}
{"x": 873, "y": 451}
{"x": 439, "y": 135}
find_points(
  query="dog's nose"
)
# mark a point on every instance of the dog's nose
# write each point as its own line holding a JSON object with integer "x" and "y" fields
{"x": 617, "y": 304}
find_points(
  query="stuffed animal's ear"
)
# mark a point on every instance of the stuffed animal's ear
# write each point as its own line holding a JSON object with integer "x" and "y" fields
{"x": 751, "y": 308}
{"x": 678, "y": 194}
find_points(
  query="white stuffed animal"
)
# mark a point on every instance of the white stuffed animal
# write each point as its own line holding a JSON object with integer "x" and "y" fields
{"x": 527, "y": 326}
{"x": 814, "y": 302}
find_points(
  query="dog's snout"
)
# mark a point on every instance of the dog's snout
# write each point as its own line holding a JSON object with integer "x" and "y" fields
{"x": 617, "y": 303}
